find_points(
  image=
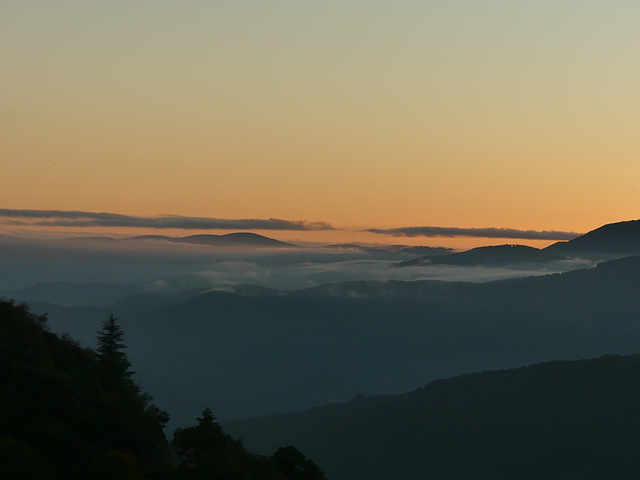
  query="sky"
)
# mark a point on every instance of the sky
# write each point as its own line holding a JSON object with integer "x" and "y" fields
{"x": 360, "y": 114}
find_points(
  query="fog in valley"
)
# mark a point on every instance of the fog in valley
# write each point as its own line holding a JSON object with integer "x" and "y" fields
{"x": 254, "y": 331}
{"x": 167, "y": 267}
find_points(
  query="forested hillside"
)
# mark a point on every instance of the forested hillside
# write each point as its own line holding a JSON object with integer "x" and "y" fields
{"x": 68, "y": 412}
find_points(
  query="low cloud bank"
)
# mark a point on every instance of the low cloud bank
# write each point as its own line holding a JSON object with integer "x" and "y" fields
{"x": 490, "y": 232}
{"x": 73, "y": 218}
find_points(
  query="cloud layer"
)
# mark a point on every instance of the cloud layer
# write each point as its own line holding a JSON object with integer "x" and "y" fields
{"x": 75, "y": 218}
{"x": 490, "y": 232}
{"x": 72, "y": 218}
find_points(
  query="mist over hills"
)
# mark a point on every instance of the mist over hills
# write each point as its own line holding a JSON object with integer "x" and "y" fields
{"x": 138, "y": 263}
{"x": 416, "y": 250}
{"x": 276, "y": 351}
{"x": 289, "y": 328}
{"x": 554, "y": 420}
{"x": 27, "y": 262}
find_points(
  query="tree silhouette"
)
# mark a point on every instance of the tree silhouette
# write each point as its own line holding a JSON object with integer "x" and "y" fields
{"x": 111, "y": 348}
{"x": 207, "y": 421}
{"x": 206, "y": 451}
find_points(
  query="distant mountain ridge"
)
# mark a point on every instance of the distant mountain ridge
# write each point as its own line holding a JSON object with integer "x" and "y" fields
{"x": 238, "y": 239}
{"x": 92, "y": 294}
{"x": 412, "y": 250}
{"x": 496, "y": 255}
{"x": 613, "y": 239}
{"x": 74, "y": 294}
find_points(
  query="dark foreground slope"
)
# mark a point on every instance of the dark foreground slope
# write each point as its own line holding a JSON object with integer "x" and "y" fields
{"x": 71, "y": 413}
{"x": 557, "y": 420}
{"x": 63, "y": 413}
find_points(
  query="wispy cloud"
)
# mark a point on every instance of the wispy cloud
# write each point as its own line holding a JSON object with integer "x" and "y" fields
{"x": 73, "y": 218}
{"x": 489, "y": 232}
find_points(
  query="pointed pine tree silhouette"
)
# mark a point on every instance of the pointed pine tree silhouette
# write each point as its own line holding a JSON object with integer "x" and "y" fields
{"x": 110, "y": 346}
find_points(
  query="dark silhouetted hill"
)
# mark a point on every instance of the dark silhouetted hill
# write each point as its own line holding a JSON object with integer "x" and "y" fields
{"x": 493, "y": 256}
{"x": 240, "y": 239}
{"x": 614, "y": 239}
{"x": 557, "y": 420}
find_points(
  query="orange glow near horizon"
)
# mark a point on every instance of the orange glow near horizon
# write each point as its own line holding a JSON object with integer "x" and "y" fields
{"x": 360, "y": 114}
{"x": 303, "y": 238}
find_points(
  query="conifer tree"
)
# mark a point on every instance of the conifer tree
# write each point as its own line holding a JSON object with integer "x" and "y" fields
{"x": 207, "y": 421}
{"x": 110, "y": 346}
